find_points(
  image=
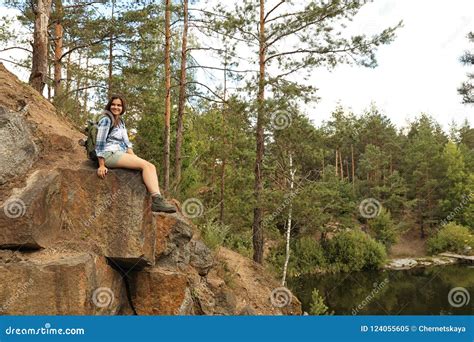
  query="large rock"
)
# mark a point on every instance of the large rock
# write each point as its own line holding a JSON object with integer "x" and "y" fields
{"x": 175, "y": 245}
{"x": 201, "y": 257}
{"x": 112, "y": 213}
{"x": 18, "y": 150}
{"x": 46, "y": 283}
{"x": 160, "y": 291}
{"x": 31, "y": 216}
{"x": 111, "y": 217}
{"x": 172, "y": 233}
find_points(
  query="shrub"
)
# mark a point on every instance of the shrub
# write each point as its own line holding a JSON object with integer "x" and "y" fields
{"x": 240, "y": 242}
{"x": 383, "y": 228}
{"x": 354, "y": 251}
{"x": 213, "y": 234}
{"x": 306, "y": 256}
{"x": 453, "y": 238}
{"x": 317, "y": 306}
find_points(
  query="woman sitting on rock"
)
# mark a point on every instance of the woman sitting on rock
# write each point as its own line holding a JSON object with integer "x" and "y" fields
{"x": 114, "y": 150}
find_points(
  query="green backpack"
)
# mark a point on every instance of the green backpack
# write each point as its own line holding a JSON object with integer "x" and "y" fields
{"x": 91, "y": 133}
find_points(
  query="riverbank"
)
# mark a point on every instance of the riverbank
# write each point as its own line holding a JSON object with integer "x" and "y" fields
{"x": 408, "y": 263}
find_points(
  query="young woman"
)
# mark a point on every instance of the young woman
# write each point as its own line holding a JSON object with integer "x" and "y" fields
{"x": 114, "y": 150}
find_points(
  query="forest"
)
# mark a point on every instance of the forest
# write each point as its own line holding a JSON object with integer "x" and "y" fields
{"x": 231, "y": 137}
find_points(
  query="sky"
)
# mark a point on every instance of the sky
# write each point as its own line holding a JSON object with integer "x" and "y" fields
{"x": 417, "y": 73}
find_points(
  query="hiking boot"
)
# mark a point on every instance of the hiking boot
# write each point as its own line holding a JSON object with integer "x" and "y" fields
{"x": 158, "y": 203}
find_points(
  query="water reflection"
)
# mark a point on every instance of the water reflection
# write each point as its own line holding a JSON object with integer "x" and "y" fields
{"x": 419, "y": 291}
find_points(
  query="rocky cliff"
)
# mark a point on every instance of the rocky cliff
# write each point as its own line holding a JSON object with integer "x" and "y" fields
{"x": 73, "y": 244}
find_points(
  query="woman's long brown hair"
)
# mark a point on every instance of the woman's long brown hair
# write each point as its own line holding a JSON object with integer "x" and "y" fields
{"x": 124, "y": 107}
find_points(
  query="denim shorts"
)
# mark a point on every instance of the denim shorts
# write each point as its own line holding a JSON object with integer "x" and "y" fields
{"x": 112, "y": 157}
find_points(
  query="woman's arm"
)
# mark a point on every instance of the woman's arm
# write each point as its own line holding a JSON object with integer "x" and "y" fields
{"x": 127, "y": 141}
{"x": 102, "y": 170}
{"x": 104, "y": 125}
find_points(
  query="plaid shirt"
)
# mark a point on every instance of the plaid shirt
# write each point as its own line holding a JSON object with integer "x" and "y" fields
{"x": 116, "y": 141}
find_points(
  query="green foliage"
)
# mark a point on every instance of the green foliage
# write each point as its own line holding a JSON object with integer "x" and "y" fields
{"x": 354, "y": 251}
{"x": 240, "y": 242}
{"x": 383, "y": 227}
{"x": 466, "y": 90}
{"x": 317, "y": 306}
{"x": 213, "y": 234}
{"x": 451, "y": 238}
{"x": 423, "y": 170}
{"x": 306, "y": 256}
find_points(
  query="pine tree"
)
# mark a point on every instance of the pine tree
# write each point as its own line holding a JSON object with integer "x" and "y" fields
{"x": 467, "y": 88}
{"x": 39, "y": 68}
{"x": 312, "y": 27}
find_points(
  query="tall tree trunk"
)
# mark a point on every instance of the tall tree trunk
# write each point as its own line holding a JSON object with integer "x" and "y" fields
{"x": 340, "y": 165}
{"x": 337, "y": 163}
{"x": 288, "y": 223}
{"x": 182, "y": 99}
{"x": 347, "y": 168}
{"x": 111, "y": 55}
{"x": 39, "y": 69}
{"x": 166, "y": 154}
{"x": 258, "y": 187}
{"x": 58, "y": 47}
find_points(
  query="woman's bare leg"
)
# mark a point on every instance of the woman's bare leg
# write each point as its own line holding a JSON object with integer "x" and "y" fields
{"x": 150, "y": 178}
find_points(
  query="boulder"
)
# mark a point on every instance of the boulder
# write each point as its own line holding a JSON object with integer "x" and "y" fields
{"x": 172, "y": 233}
{"x": 160, "y": 291}
{"x": 31, "y": 217}
{"x": 47, "y": 283}
{"x": 18, "y": 150}
{"x": 201, "y": 257}
{"x": 212, "y": 301}
{"x": 112, "y": 213}
{"x": 109, "y": 216}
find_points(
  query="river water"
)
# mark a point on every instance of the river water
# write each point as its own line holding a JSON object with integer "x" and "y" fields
{"x": 437, "y": 290}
